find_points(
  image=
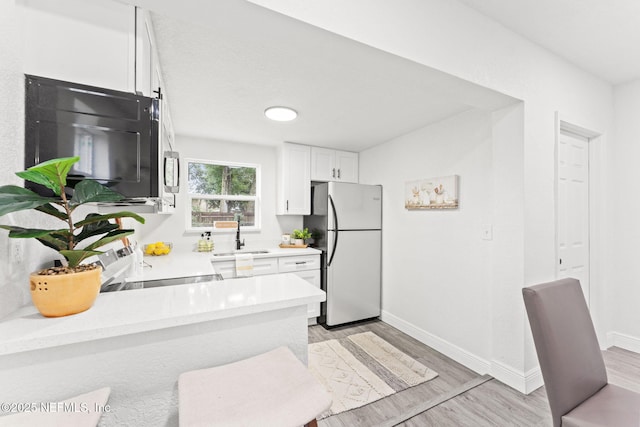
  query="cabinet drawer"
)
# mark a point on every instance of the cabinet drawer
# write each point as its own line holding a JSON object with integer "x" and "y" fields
{"x": 261, "y": 266}
{"x": 226, "y": 268}
{"x": 298, "y": 263}
{"x": 265, "y": 266}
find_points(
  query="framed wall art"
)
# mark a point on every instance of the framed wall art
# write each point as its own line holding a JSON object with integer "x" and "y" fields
{"x": 432, "y": 193}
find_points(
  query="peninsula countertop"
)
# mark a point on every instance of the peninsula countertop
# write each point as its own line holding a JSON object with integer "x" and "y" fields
{"x": 128, "y": 312}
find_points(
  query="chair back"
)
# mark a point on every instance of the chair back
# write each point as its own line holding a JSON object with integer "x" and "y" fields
{"x": 566, "y": 343}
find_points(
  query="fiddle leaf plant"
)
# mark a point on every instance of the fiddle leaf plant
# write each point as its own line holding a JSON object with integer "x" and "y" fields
{"x": 52, "y": 174}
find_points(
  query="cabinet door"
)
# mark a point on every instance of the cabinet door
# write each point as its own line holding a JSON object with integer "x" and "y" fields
{"x": 346, "y": 166}
{"x": 86, "y": 42}
{"x": 294, "y": 185}
{"x": 333, "y": 165}
{"x": 323, "y": 164}
{"x": 313, "y": 277}
{"x": 144, "y": 55}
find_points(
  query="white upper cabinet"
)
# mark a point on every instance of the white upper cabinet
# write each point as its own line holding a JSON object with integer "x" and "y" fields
{"x": 333, "y": 165}
{"x": 148, "y": 70}
{"x": 323, "y": 164}
{"x": 100, "y": 43}
{"x": 346, "y": 166}
{"x": 145, "y": 56}
{"x": 91, "y": 43}
{"x": 149, "y": 80}
{"x": 294, "y": 180}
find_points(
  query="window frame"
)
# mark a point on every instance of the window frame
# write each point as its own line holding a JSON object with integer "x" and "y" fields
{"x": 256, "y": 199}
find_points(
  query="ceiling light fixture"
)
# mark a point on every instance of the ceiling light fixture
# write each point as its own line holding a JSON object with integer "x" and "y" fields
{"x": 281, "y": 114}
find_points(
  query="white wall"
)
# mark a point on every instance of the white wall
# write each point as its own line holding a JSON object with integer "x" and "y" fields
{"x": 172, "y": 227}
{"x": 508, "y": 333}
{"x": 14, "y": 275}
{"x": 17, "y": 56}
{"x": 625, "y": 213}
{"x": 453, "y": 38}
{"x": 437, "y": 271}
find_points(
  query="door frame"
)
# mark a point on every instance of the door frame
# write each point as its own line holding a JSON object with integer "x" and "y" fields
{"x": 597, "y": 184}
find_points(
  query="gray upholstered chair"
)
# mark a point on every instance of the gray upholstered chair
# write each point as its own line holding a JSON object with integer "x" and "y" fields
{"x": 571, "y": 361}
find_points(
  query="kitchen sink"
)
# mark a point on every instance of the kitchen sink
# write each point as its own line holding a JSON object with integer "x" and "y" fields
{"x": 261, "y": 251}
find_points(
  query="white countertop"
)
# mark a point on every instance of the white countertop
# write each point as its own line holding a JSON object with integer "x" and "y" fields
{"x": 133, "y": 311}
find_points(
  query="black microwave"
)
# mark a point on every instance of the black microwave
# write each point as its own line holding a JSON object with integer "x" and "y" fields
{"x": 117, "y": 136}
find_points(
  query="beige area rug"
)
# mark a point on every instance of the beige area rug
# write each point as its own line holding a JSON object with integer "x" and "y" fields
{"x": 361, "y": 369}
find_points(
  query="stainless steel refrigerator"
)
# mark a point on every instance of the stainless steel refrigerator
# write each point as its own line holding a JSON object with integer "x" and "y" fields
{"x": 346, "y": 222}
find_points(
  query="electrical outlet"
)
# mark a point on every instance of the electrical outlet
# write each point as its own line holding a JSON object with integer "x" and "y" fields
{"x": 487, "y": 232}
{"x": 16, "y": 251}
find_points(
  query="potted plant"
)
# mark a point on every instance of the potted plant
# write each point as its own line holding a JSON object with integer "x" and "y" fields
{"x": 299, "y": 236}
{"x": 61, "y": 291}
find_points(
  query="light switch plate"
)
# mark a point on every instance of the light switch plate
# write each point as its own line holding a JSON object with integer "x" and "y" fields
{"x": 487, "y": 232}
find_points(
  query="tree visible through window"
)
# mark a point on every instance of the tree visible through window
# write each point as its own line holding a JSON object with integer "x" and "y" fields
{"x": 223, "y": 192}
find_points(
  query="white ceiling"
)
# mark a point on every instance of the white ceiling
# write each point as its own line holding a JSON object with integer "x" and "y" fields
{"x": 600, "y": 36}
{"x": 225, "y": 61}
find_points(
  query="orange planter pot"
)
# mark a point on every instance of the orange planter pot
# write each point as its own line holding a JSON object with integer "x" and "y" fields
{"x": 65, "y": 294}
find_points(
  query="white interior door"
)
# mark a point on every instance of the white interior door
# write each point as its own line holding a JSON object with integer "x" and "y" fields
{"x": 573, "y": 209}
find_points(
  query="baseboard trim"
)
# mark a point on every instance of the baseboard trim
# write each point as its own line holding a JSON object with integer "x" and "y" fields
{"x": 533, "y": 380}
{"x": 524, "y": 382}
{"x": 624, "y": 341}
{"x": 470, "y": 360}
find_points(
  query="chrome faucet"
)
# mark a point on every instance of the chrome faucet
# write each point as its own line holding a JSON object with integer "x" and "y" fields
{"x": 239, "y": 244}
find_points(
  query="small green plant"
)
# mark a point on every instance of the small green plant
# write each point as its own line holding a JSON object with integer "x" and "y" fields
{"x": 301, "y": 234}
{"x": 53, "y": 175}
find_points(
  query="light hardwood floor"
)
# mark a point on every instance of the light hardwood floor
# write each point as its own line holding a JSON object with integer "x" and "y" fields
{"x": 489, "y": 404}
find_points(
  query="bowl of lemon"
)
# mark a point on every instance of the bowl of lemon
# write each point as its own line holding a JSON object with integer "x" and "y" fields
{"x": 158, "y": 248}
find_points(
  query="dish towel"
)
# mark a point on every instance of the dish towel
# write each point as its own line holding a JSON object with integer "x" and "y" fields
{"x": 244, "y": 265}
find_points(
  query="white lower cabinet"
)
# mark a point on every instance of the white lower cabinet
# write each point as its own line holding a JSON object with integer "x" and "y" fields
{"x": 225, "y": 268}
{"x": 313, "y": 277}
{"x": 306, "y": 267}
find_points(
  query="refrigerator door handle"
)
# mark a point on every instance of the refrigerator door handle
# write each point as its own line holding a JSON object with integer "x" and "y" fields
{"x": 335, "y": 226}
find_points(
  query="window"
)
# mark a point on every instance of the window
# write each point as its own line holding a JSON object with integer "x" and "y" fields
{"x": 220, "y": 191}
